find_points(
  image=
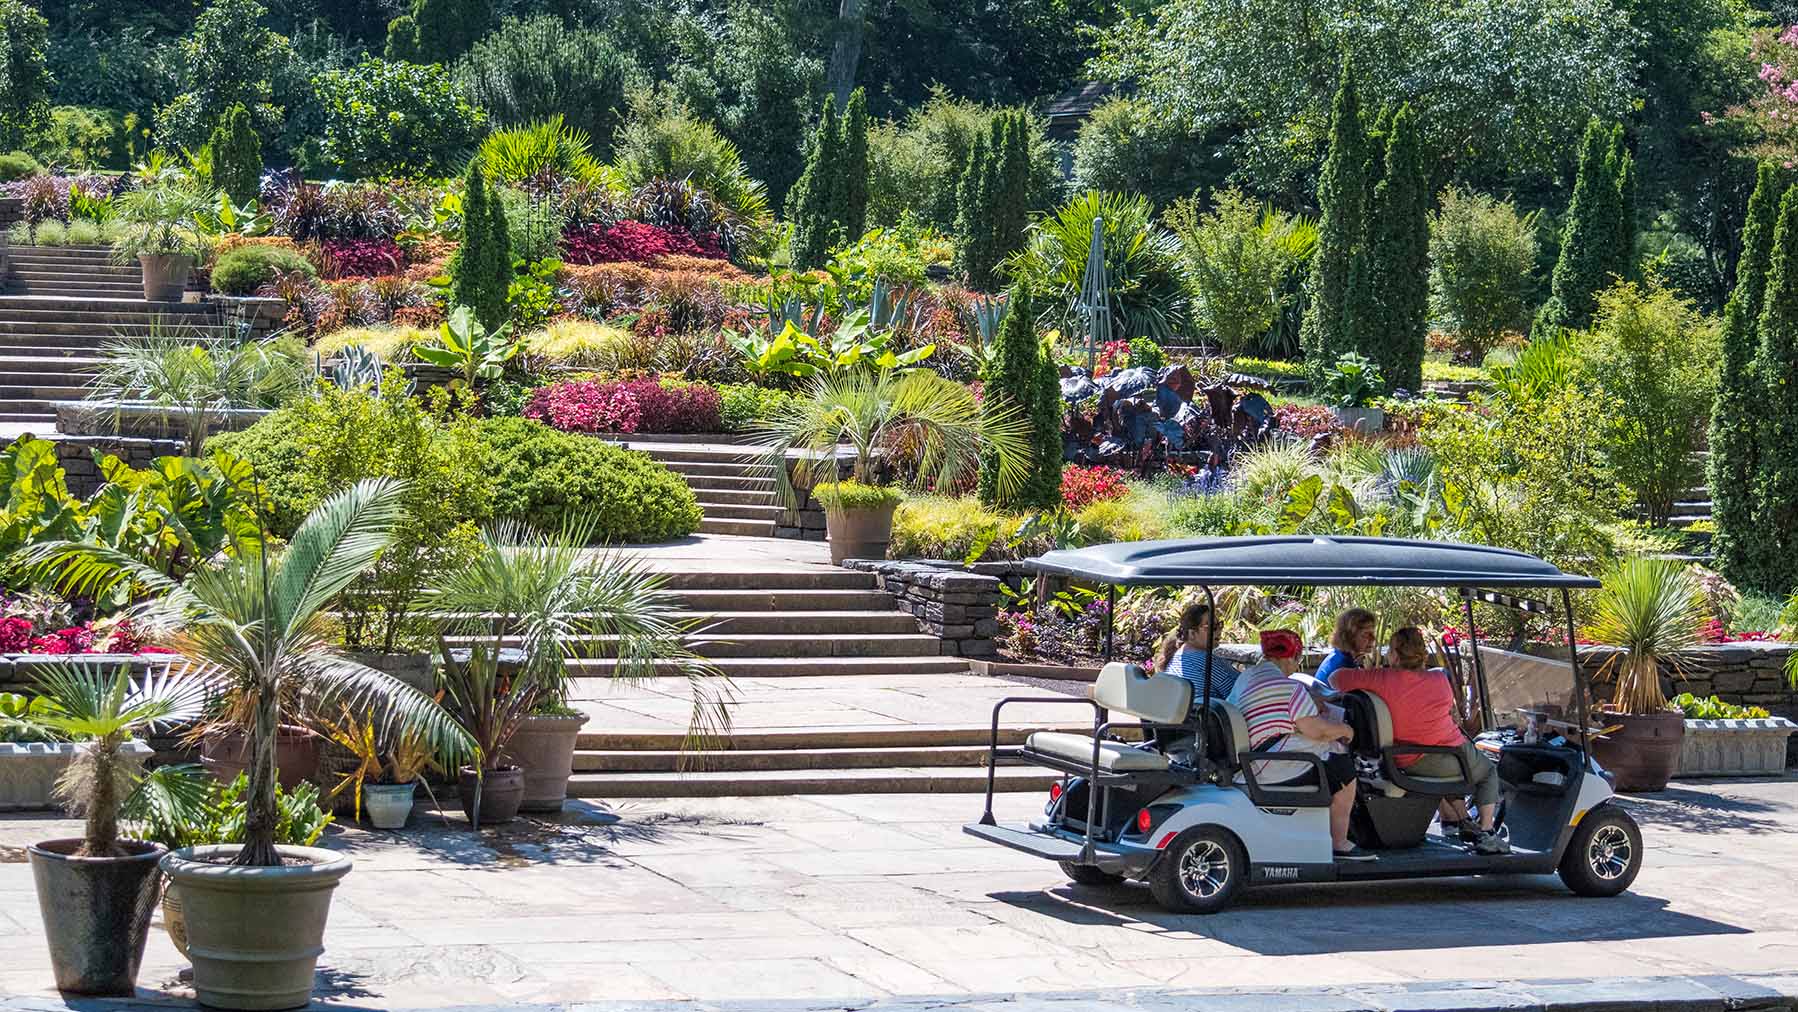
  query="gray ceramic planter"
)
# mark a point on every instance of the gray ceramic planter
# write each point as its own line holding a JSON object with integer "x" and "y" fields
{"x": 96, "y": 913}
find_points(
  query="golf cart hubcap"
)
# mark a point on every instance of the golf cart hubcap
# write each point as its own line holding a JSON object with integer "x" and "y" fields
{"x": 1204, "y": 869}
{"x": 1609, "y": 853}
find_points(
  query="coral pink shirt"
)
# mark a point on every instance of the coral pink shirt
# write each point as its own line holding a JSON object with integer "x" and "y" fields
{"x": 1422, "y": 704}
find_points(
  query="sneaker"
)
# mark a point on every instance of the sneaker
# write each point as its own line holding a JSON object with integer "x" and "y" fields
{"x": 1469, "y": 831}
{"x": 1355, "y": 853}
{"x": 1489, "y": 842}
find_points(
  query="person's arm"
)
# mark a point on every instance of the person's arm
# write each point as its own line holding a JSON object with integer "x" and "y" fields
{"x": 1320, "y": 729}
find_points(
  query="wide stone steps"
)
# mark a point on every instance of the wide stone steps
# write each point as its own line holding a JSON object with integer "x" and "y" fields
{"x": 51, "y": 326}
{"x": 739, "y": 511}
{"x": 718, "y": 646}
{"x": 793, "y": 667}
{"x": 737, "y": 528}
{"x": 74, "y": 289}
{"x": 700, "y": 483}
{"x": 858, "y": 598}
{"x": 735, "y": 497}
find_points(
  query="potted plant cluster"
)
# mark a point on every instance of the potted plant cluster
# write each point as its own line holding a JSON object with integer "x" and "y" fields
{"x": 162, "y": 233}
{"x": 1652, "y": 610}
{"x": 884, "y": 415}
{"x": 384, "y": 772}
{"x": 1350, "y": 387}
{"x": 255, "y": 913}
{"x": 97, "y": 892}
{"x": 513, "y": 616}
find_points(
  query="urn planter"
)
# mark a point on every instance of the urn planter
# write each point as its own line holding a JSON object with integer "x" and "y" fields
{"x": 28, "y": 771}
{"x": 389, "y": 805}
{"x": 501, "y": 792}
{"x": 165, "y": 275}
{"x": 859, "y": 533}
{"x": 1644, "y": 752}
{"x": 96, "y": 913}
{"x": 1753, "y": 747}
{"x": 544, "y": 747}
{"x": 296, "y": 756}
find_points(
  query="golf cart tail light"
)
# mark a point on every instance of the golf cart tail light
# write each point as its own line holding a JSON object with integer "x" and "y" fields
{"x": 1055, "y": 791}
{"x": 1144, "y": 821}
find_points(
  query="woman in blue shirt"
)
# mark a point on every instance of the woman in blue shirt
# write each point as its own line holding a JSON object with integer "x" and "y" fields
{"x": 1352, "y": 640}
{"x": 1187, "y": 654}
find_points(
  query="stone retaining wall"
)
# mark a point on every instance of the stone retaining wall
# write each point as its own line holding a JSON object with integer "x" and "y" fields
{"x": 136, "y": 434}
{"x": 1749, "y": 674}
{"x": 950, "y": 603}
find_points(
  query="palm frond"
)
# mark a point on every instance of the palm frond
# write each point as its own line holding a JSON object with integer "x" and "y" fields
{"x": 331, "y": 683}
{"x": 84, "y": 569}
{"x": 336, "y": 543}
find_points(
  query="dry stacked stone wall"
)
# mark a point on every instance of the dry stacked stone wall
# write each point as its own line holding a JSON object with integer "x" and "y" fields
{"x": 959, "y": 607}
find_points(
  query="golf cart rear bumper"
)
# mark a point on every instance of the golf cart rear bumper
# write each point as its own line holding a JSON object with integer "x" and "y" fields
{"x": 1060, "y": 845}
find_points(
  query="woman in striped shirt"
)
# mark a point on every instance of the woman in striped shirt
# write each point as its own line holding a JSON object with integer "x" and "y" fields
{"x": 1282, "y": 717}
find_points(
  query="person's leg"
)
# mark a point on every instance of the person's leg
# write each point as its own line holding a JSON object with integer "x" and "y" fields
{"x": 1485, "y": 785}
{"x": 1340, "y": 775}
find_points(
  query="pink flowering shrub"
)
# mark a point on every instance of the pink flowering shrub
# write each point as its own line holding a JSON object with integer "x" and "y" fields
{"x": 1771, "y": 113}
{"x": 1083, "y": 486}
{"x": 585, "y": 406}
{"x": 631, "y": 242}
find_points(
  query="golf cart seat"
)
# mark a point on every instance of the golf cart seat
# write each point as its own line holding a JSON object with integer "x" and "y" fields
{"x": 1123, "y": 688}
{"x": 1226, "y": 735}
{"x": 1371, "y": 720}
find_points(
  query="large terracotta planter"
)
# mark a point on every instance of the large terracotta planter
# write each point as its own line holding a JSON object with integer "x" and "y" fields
{"x": 860, "y": 533}
{"x": 296, "y": 756}
{"x": 502, "y": 790}
{"x": 165, "y": 275}
{"x": 255, "y": 934}
{"x": 96, "y": 913}
{"x": 1644, "y": 753}
{"x": 544, "y": 746}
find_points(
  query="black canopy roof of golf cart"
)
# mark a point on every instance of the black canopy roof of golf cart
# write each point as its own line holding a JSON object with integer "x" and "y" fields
{"x": 1305, "y": 560}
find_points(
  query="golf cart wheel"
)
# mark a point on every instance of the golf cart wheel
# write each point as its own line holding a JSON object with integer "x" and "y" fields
{"x": 1200, "y": 872}
{"x": 1087, "y": 875}
{"x": 1605, "y": 853}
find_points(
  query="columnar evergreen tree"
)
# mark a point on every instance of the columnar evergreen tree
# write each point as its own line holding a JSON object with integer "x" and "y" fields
{"x": 852, "y": 169}
{"x": 1011, "y": 197}
{"x": 1741, "y": 400}
{"x": 237, "y": 156}
{"x": 1342, "y": 195}
{"x": 974, "y": 255}
{"x": 437, "y": 31}
{"x": 481, "y": 270}
{"x": 1398, "y": 272}
{"x": 1020, "y": 377}
{"x": 809, "y": 201}
{"x": 1599, "y": 234}
{"x": 1776, "y": 365}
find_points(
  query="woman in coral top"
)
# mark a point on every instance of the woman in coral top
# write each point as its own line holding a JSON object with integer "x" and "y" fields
{"x": 1422, "y": 704}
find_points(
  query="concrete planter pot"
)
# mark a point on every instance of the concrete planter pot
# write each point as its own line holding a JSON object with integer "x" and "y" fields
{"x": 296, "y": 756}
{"x": 1735, "y": 748}
{"x": 544, "y": 747}
{"x": 165, "y": 275}
{"x": 859, "y": 534}
{"x": 255, "y": 934}
{"x": 28, "y": 772}
{"x": 96, "y": 913}
{"x": 389, "y": 805}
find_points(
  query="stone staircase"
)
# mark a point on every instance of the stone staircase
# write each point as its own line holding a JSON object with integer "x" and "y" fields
{"x": 794, "y": 643}
{"x": 58, "y": 307}
{"x": 735, "y": 489}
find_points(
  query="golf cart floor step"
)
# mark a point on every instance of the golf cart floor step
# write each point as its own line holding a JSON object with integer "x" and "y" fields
{"x": 1021, "y": 838}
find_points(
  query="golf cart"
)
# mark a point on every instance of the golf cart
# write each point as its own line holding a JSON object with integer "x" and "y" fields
{"x": 1182, "y": 809}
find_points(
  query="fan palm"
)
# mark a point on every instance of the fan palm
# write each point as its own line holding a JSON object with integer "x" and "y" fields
{"x": 102, "y": 711}
{"x": 254, "y": 621}
{"x": 937, "y": 419}
{"x": 1653, "y": 609}
{"x": 195, "y": 380}
{"x": 545, "y": 595}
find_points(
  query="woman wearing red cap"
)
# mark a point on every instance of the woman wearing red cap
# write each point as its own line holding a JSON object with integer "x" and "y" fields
{"x": 1282, "y": 717}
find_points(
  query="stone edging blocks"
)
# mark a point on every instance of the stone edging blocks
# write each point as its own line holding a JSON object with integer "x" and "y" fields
{"x": 956, "y": 606}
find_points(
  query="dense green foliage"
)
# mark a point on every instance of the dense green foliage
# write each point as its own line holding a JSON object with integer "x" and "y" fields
{"x": 437, "y": 31}
{"x": 918, "y": 164}
{"x": 1342, "y": 192}
{"x": 24, "y": 74}
{"x": 1127, "y": 145}
{"x": 230, "y": 58}
{"x": 1243, "y": 262}
{"x": 481, "y": 270}
{"x": 236, "y": 156}
{"x": 1021, "y": 379}
{"x": 1736, "y": 415}
{"x": 1597, "y": 241}
{"x": 1148, "y": 297}
{"x": 18, "y": 165}
{"x": 243, "y": 270}
{"x": 548, "y": 479}
{"x": 1481, "y": 254}
{"x": 531, "y": 69}
{"x": 1398, "y": 252}
{"x": 993, "y": 199}
{"x": 385, "y": 118}
{"x": 1776, "y": 365}
{"x": 828, "y": 206}
{"x": 663, "y": 140}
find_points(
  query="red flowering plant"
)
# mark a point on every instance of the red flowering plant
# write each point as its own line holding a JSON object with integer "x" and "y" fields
{"x": 361, "y": 258}
{"x": 1083, "y": 486}
{"x": 1306, "y": 420}
{"x": 585, "y": 406}
{"x": 630, "y": 242}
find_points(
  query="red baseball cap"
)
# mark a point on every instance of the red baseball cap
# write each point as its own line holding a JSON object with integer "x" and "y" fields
{"x": 1281, "y": 644}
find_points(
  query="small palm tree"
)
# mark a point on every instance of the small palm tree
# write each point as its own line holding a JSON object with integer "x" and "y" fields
{"x": 195, "y": 380}
{"x": 102, "y": 711}
{"x": 254, "y": 621}
{"x": 937, "y": 420}
{"x": 1653, "y": 609}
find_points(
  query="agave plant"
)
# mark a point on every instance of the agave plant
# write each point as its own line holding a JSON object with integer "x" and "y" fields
{"x": 1652, "y": 609}
{"x": 1147, "y": 297}
{"x": 255, "y": 622}
{"x": 102, "y": 711}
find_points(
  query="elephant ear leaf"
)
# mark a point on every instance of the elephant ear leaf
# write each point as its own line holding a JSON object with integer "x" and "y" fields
{"x": 1301, "y": 502}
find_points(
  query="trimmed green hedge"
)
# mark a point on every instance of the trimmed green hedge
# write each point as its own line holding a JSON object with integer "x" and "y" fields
{"x": 545, "y": 477}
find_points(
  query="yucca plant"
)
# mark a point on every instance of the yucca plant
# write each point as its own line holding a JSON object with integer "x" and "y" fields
{"x": 1652, "y": 609}
{"x": 102, "y": 711}
{"x": 936, "y": 419}
{"x": 255, "y": 622}
{"x": 1147, "y": 296}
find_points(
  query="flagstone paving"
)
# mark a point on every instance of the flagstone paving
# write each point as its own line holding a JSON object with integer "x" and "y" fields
{"x": 858, "y": 898}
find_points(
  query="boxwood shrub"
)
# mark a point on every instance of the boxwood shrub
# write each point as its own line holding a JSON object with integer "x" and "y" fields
{"x": 545, "y": 477}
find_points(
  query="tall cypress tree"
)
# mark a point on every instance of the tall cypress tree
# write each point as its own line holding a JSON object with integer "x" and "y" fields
{"x": 481, "y": 270}
{"x": 809, "y": 201}
{"x": 1011, "y": 197}
{"x": 1622, "y": 167}
{"x": 851, "y": 211}
{"x": 1021, "y": 379}
{"x": 1741, "y": 400}
{"x": 1776, "y": 367}
{"x": 236, "y": 155}
{"x": 1592, "y": 257}
{"x": 974, "y": 255}
{"x": 1342, "y": 194}
{"x": 1398, "y": 272}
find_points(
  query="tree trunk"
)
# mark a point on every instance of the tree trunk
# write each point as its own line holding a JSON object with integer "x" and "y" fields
{"x": 846, "y": 52}
{"x": 102, "y": 833}
{"x": 261, "y": 814}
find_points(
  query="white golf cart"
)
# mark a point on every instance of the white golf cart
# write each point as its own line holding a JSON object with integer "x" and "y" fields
{"x": 1181, "y": 808}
